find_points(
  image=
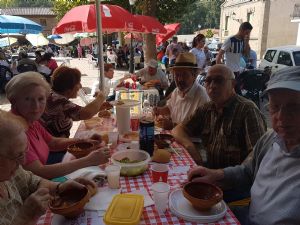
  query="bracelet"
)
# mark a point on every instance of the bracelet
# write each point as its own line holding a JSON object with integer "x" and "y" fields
{"x": 57, "y": 188}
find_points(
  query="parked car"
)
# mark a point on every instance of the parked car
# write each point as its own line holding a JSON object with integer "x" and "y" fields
{"x": 280, "y": 57}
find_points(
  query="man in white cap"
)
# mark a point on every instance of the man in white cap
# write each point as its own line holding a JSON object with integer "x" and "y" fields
{"x": 273, "y": 170}
{"x": 187, "y": 96}
{"x": 152, "y": 75}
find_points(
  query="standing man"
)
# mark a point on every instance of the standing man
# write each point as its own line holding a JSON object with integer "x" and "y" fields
{"x": 234, "y": 48}
{"x": 229, "y": 125}
{"x": 173, "y": 45}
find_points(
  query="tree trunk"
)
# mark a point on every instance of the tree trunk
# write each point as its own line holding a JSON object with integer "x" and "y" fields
{"x": 149, "y": 9}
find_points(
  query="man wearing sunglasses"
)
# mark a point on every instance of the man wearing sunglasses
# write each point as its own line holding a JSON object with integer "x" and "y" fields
{"x": 229, "y": 125}
{"x": 273, "y": 170}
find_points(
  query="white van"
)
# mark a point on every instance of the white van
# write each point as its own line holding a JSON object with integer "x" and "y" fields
{"x": 280, "y": 57}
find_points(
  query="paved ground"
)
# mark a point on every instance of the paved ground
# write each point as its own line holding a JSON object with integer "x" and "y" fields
{"x": 90, "y": 75}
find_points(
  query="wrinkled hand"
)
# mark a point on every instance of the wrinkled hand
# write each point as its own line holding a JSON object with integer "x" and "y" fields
{"x": 98, "y": 157}
{"x": 165, "y": 122}
{"x": 36, "y": 204}
{"x": 201, "y": 173}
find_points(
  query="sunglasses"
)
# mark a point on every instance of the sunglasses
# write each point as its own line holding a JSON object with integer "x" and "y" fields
{"x": 217, "y": 80}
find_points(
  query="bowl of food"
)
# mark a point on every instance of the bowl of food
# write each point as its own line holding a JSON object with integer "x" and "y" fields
{"x": 132, "y": 162}
{"x": 82, "y": 148}
{"x": 71, "y": 204}
{"x": 202, "y": 195}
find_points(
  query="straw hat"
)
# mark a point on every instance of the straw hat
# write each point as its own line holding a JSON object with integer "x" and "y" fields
{"x": 185, "y": 60}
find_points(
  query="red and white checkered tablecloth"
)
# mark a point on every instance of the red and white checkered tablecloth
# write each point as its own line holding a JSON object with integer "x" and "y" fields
{"x": 129, "y": 184}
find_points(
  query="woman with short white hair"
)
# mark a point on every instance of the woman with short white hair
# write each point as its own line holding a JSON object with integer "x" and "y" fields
{"x": 24, "y": 197}
{"x": 27, "y": 93}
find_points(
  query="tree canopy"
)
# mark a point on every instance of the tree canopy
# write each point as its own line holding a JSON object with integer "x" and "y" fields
{"x": 25, "y": 3}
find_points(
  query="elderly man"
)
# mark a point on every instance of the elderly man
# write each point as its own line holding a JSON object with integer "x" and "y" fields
{"x": 152, "y": 75}
{"x": 188, "y": 95}
{"x": 273, "y": 171}
{"x": 229, "y": 125}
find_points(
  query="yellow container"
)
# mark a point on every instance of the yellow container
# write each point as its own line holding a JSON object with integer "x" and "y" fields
{"x": 125, "y": 209}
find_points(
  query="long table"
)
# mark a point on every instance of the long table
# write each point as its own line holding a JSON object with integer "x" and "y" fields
{"x": 129, "y": 184}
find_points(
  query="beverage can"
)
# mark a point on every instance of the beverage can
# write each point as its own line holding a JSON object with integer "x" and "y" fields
{"x": 147, "y": 135}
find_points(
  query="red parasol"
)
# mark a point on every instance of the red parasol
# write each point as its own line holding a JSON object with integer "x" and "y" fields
{"x": 151, "y": 25}
{"x": 83, "y": 19}
{"x": 172, "y": 29}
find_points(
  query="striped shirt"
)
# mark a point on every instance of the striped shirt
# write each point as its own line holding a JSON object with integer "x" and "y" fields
{"x": 233, "y": 48}
{"x": 230, "y": 136}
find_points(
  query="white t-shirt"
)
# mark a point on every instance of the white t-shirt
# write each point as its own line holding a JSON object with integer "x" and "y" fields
{"x": 109, "y": 87}
{"x": 200, "y": 57}
{"x": 183, "y": 108}
{"x": 233, "y": 48}
{"x": 160, "y": 75}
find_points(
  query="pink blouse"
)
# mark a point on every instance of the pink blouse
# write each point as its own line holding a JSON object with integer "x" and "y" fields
{"x": 38, "y": 139}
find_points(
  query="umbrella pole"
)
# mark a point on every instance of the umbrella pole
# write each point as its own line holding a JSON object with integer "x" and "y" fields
{"x": 100, "y": 46}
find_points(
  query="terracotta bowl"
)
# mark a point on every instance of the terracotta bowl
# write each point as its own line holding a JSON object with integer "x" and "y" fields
{"x": 202, "y": 195}
{"x": 72, "y": 205}
{"x": 81, "y": 149}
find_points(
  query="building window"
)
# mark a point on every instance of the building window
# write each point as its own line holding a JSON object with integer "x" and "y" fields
{"x": 226, "y": 22}
{"x": 249, "y": 15}
{"x": 43, "y": 22}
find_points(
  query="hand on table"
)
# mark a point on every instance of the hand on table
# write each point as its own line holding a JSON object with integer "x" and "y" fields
{"x": 201, "y": 173}
{"x": 36, "y": 204}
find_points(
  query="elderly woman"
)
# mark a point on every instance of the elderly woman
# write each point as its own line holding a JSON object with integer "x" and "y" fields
{"x": 28, "y": 94}
{"x": 24, "y": 197}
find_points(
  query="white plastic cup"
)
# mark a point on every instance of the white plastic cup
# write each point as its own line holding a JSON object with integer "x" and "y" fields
{"x": 113, "y": 176}
{"x": 113, "y": 138}
{"x": 123, "y": 119}
{"x": 160, "y": 193}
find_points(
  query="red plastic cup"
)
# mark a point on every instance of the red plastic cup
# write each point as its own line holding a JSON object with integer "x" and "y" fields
{"x": 127, "y": 84}
{"x": 159, "y": 173}
{"x": 134, "y": 123}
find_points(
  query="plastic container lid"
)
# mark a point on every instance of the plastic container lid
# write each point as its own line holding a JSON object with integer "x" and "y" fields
{"x": 125, "y": 209}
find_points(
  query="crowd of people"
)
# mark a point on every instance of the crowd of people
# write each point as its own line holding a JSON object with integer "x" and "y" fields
{"x": 242, "y": 156}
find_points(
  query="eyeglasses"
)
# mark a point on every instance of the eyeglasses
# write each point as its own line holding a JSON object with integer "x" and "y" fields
{"x": 20, "y": 158}
{"x": 217, "y": 80}
{"x": 289, "y": 109}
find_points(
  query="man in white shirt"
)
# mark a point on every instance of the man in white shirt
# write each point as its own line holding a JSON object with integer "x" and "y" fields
{"x": 152, "y": 74}
{"x": 188, "y": 95}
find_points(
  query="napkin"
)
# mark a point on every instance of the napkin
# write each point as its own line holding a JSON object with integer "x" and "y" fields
{"x": 102, "y": 199}
{"x": 88, "y": 217}
{"x": 88, "y": 172}
{"x": 147, "y": 199}
{"x": 179, "y": 170}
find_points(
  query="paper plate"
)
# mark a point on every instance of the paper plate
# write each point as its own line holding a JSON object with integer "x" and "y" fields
{"x": 127, "y": 103}
{"x": 182, "y": 208}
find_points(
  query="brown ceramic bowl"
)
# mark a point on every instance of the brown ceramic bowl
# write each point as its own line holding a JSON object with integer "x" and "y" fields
{"x": 202, "y": 195}
{"x": 81, "y": 149}
{"x": 71, "y": 206}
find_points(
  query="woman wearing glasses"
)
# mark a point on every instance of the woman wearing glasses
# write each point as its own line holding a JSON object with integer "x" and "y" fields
{"x": 24, "y": 197}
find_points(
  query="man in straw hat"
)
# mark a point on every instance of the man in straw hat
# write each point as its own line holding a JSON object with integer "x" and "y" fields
{"x": 229, "y": 125}
{"x": 188, "y": 95}
{"x": 273, "y": 170}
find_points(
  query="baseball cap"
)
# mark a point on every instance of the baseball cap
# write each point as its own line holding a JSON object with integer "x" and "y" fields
{"x": 288, "y": 78}
{"x": 152, "y": 63}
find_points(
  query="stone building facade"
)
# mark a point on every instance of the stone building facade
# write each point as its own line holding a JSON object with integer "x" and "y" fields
{"x": 271, "y": 21}
{"x": 40, "y": 15}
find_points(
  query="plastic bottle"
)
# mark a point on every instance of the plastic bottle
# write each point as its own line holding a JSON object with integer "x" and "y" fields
{"x": 147, "y": 129}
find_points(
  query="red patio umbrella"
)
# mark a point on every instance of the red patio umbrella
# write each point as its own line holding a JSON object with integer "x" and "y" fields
{"x": 83, "y": 19}
{"x": 172, "y": 29}
{"x": 151, "y": 25}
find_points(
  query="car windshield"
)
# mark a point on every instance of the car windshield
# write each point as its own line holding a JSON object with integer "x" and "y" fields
{"x": 297, "y": 58}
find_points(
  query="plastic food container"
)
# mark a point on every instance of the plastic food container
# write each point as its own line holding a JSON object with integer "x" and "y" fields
{"x": 125, "y": 209}
{"x": 129, "y": 167}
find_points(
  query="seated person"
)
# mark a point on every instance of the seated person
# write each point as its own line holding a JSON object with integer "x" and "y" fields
{"x": 273, "y": 170}
{"x": 229, "y": 125}
{"x": 108, "y": 83}
{"x": 3, "y": 60}
{"x": 188, "y": 95}
{"x": 153, "y": 76}
{"x": 49, "y": 62}
{"x": 112, "y": 57}
{"x": 28, "y": 94}
{"x": 24, "y": 60}
{"x": 24, "y": 197}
